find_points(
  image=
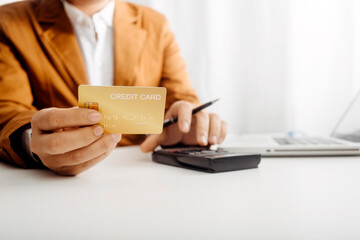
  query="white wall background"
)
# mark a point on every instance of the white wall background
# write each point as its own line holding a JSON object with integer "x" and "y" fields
{"x": 277, "y": 65}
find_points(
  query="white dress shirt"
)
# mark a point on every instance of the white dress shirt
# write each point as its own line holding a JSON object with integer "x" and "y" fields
{"x": 96, "y": 39}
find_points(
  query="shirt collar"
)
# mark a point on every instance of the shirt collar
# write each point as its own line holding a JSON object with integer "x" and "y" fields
{"x": 77, "y": 17}
{"x": 107, "y": 13}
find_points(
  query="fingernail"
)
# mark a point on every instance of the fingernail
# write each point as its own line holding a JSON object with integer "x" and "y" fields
{"x": 98, "y": 131}
{"x": 185, "y": 125}
{"x": 116, "y": 137}
{"x": 95, "y": 117}
{"x": 214, "y": 139}
{"x": 203, "y": 140}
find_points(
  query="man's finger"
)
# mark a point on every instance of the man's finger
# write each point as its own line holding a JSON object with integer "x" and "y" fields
{"x": 184, "y": 117}
{"x": 150, "y": 143}
{"x": 55, "y": 118}
{"x": 223, "y": 132}
{"x": 85, "y": 154}
{"x": 182, "y": 110}
{"x": 66, "y": 141}
{"x": 215, "y": 128}
{"x": 75, "y": 170}
{"x": 202, "y": 127}
{"x": 105, "y": 144}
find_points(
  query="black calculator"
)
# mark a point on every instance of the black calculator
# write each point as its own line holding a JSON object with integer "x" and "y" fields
{"x": 206, "y": 159}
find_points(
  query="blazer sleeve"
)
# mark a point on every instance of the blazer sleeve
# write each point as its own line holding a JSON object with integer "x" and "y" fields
{"x": 174, "y": 74}
{"x": 16, "y": 109}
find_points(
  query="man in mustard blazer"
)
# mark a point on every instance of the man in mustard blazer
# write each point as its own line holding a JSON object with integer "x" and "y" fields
{"x": 43, "y": 59}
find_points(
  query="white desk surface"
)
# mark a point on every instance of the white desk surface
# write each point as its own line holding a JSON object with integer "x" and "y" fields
{"x": 128, "y": 196}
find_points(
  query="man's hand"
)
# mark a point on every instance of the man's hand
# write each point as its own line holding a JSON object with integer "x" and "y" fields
{"x": 200, "y": 129}
{"x": 68, "y": 141}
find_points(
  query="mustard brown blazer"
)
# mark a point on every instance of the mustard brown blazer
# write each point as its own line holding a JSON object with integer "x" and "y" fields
{"x": 41, "y": 64}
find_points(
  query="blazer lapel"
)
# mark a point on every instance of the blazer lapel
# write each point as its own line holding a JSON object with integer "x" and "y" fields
{"x": 58, "y": 35}
{"x": 129, "y": 40}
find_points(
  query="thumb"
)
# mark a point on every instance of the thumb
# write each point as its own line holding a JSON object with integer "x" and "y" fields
{"x": 150, "y": 143}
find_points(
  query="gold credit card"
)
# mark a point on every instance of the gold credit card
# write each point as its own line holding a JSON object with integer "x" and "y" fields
{"x": 126, "y": 110}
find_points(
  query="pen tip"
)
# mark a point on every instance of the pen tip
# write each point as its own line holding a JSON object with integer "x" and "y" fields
{"x": 214, "y": 101}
